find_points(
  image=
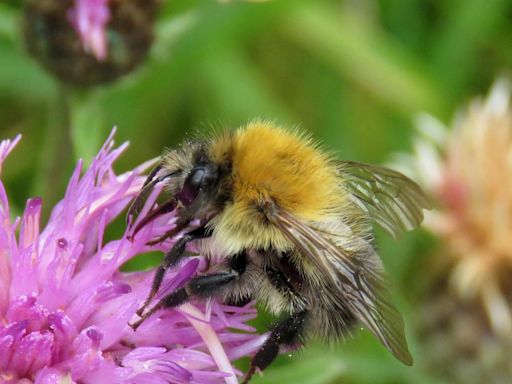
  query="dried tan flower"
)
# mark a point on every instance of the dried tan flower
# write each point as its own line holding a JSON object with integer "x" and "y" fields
{"x": 466, "y": 315}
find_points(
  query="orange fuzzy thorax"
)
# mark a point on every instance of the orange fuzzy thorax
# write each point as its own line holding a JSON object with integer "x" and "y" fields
{"x": 287, "y": 167}
{"x": 282, "y": 165}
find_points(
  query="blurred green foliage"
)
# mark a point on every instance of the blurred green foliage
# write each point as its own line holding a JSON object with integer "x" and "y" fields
{"x": 354, "y": 73}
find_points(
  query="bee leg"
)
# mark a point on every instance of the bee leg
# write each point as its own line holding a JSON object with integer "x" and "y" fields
{"x": 170, "y": 260}
{"x": 170, "y": 301}
{"x": 287, "y": 332}
{"x": 285, "y": 278}
{"x": 200, "y": 286}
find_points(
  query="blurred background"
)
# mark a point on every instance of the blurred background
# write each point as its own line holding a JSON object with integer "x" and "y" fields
{"x": 353, "y": 73}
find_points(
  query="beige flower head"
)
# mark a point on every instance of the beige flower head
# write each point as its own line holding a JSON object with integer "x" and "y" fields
{"x": 468, "y": 172}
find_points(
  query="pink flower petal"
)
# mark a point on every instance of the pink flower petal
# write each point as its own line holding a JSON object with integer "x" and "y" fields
{"x": 90, "y": 18}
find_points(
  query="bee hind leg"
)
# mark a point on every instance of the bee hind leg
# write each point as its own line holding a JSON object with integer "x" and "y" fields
{"x": 286, "y": 333}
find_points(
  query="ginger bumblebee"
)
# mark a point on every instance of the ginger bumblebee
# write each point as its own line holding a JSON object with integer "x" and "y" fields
{"x": 293, "y": 229}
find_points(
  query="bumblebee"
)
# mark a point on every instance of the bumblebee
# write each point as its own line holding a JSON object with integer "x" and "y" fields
{"x": 292, "y": 228}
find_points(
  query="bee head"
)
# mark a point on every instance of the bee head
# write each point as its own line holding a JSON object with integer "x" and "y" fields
{"x": 192, "y": 181}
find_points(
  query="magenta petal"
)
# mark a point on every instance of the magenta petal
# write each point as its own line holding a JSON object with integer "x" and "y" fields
{"x": 16, "y": 329}
{"x": 144, "y": 353}
{"x": 95, "y": 336}
{"x": 145, "y": 361}
{"x": 110, "y": 290}
{"x": 6, "y": 349}
{"x": 149, "y": 378}
{"x": 87, "y": 356}
{"x": 171, "y": 370}
{"x": 32, "y": 351}
{"x": 7, "y": 249}
{"x": 8, "y": 338}
{"x": 26, "y": 309}
{"x": 50, "y": 376}
{"x": 64, "y": 332}
{"x": 30, "y": 225}
{"x": 6, "y": 146}
{"x": 184, "y": 274}
{"x": 89, "y": 18}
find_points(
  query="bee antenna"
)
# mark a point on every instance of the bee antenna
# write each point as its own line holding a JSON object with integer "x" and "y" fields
{"x": 166, "y": 207}
{"x": 144, "y": 193}
{"x": 138, "y": 203}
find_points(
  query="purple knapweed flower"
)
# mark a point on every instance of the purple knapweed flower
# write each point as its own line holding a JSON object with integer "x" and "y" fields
{"x": 90, "y": 18}
{"x": 65, "y": 306}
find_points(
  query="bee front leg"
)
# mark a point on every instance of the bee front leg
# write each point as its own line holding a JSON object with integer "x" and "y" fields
{"x": 287, "y": 332}
{"x": 170, "y": 260}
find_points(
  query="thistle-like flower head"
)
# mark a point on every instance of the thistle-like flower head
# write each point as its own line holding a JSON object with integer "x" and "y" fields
{"x": 468, "y": 171}
{"x": 65, "y": 306}
{"x": 89, "y": 42}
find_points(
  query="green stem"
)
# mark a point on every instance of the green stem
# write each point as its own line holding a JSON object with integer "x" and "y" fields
{"x": 56, "y": 150}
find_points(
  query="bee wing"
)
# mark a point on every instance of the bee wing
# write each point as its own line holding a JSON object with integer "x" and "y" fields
{"x": 369, "y": 301}
{"x": 393, "y": 200}
{"x": 358, "y": 276}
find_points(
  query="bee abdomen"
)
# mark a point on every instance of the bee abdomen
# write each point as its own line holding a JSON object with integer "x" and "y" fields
{"x": 331, "y": 323}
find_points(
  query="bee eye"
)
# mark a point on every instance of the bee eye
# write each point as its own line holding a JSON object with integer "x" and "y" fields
{"x": 192, "y": 185}
{"x": 203, "y": 176}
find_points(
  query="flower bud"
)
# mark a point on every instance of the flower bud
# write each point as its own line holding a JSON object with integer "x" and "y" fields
{"x": 89, "y": 42}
